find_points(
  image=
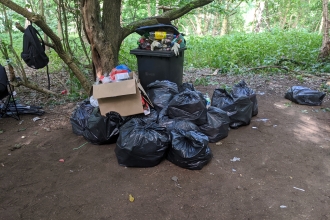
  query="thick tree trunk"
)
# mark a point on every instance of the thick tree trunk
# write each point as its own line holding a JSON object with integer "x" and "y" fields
{"x": 104, "y": 34}
{"x": 325, "y": 49}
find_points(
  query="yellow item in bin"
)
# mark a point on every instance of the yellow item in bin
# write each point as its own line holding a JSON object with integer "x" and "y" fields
{"x": 159, "y": 35}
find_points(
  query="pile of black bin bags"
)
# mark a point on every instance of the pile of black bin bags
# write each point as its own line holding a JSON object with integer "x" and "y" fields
{"x": 179, "y": 127}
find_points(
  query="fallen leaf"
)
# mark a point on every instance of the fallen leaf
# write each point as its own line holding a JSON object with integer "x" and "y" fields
{"x": 131, "y": 198}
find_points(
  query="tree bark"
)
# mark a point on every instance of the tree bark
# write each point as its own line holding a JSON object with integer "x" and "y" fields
{"x": 224, "y": 26}
{"x": 259, "y": 16}
{"x": 325, "y": 49}
{"x": 58, "y": 47}
{"x": 104, "y": 34}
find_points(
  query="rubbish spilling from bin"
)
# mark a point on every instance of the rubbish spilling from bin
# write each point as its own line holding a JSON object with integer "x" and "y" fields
{"x": 178, "y": 126}
{"x": 161, "y": 37}
{"x": 160, "y": 54}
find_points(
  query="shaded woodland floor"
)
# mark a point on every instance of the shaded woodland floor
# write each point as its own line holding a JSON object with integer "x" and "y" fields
{"x": 283, "y": 172}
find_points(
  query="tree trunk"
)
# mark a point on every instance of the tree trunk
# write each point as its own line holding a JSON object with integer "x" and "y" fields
{"x": 216, "y": 24}
{"x": 157, "y": 5}
{"x": 104, "y": 34}
{"x": 321, "y": 25}
{"x": 259, "y": 15}
{"x": 267, "y": 20}
{"x": 225, "y": 22}
{"x": 224, "y": 26}
{"x": 207, "y": 22}
{"x": 149, "y": 8}
{"x": 42, "y": 13}
{"x": 198, "y": 22}
{"x": 284, "y": 24}
{"x": 325, "y": 49}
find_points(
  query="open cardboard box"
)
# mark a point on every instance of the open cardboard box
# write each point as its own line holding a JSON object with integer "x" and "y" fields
{"x": 123, "y": 97}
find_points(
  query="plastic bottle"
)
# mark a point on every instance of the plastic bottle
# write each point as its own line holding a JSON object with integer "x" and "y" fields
{"x": 159, "y": 35}
{"x": 208, "y": 100}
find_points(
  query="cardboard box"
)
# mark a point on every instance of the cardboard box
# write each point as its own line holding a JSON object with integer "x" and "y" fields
{"x": 123, "y": 97}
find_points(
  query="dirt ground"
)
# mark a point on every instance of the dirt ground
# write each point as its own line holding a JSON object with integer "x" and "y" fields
{"x": 283, "y": 172}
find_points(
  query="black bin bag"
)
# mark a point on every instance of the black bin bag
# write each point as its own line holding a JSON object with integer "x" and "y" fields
{"x": 190, "y": 86}
{"x": 79, "y": 117}
{"x": 189, "y": 149}
{"x": 239, "y": 109}
{"x": 304, "y": 95}
{"x": 185, "y": 86}
{"x": 217, "y": 126}
{"x": 102, "y": 129}
{"x": 188, "y": 105}
{"x": 140, "y": 144}
{"x": 160, "y": 93}
{"x": 241, "y": 89}
{"x": 170, "y": 124}
{"x": 152, "y": 117}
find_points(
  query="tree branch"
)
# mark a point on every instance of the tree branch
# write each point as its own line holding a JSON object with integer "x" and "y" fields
{"x": 33, "y": 86}
{"x": 21, "y": 28}
{"x": 172, "y": 15}
{"x": 58, "y": 47}
{"x": 266, "y": 67}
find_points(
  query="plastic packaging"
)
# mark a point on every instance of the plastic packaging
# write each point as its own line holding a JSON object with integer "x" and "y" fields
{"x": 80, "y": 116}
{"x": 241, "y": 89}
{"x": 161, "y": 93}
{"x": 102, "y": 129}
{"x": 189, "y": 149}
{"x": 217, "y": 126}
{"x": 239, "y": 109}
{"x": 140, "y": 144}
{"x": 208, "y": 100}
{"x": 159, "y": 35}
{"x": 119, "y": 70}
{"x": 188, "y": 105}
{"x": 304, "y": 96}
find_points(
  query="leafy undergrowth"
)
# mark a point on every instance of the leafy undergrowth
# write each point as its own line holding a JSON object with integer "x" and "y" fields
{"x": 293, "y": 53}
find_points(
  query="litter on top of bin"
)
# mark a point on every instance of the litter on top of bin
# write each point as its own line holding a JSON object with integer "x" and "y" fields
{"x": 161, "y": 37}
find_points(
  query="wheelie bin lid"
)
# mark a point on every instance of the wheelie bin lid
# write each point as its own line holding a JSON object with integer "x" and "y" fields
{"x": 157, "y": 27}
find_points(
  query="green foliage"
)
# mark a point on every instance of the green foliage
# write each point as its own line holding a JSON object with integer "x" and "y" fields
{"x": 124, "y": 54}
{"x": 205, "y": 81}
{"x": 233, "y": 53}
{"x": 325, "y": 87}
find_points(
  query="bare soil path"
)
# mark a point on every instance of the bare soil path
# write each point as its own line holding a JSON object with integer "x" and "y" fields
{"x": 283, "y": 172}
